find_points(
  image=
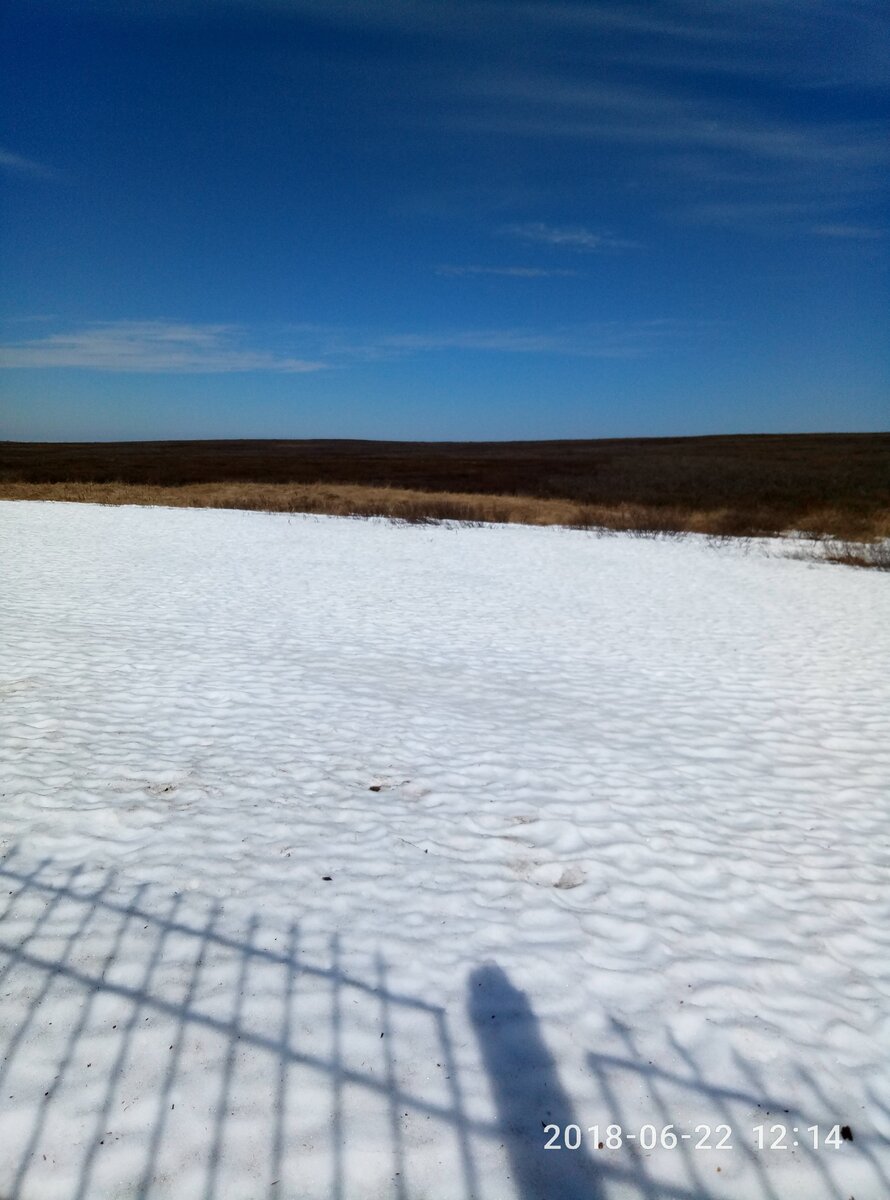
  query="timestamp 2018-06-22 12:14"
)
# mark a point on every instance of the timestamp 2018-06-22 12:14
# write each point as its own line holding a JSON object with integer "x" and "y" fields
{"x": 704, "y": 1137}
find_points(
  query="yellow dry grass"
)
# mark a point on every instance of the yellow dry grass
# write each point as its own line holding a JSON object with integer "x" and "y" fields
{"x": 404, "y": 504}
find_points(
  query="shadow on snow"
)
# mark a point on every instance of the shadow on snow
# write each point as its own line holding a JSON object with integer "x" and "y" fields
{"x": 100, "y": 965}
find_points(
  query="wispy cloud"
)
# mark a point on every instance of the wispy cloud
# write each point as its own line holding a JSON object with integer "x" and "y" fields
{"x": 652, "y": 115}
{"x": 600, "y": 339}
{"x": 728, "y": 155}
{"x": 509, "y": 272}
{"x": 170, "y": 348}
{"x": 151, "y": 347}
{"x": 27, "y": 168}
{"x": 762, "y": 215}
{"x": 783, "y": 38}
{"x": 849, "y": 232}
{"x": 813, "y": 43}
{"x": 572, "y": 237}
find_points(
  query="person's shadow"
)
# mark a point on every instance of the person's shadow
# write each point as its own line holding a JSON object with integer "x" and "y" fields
{"x": 526, "y": 1089}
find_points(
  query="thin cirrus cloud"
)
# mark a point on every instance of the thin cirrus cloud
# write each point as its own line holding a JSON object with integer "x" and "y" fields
{"x": 694, "y": 148}
{"x": 509, "y": 272}
{"x": 570, "y": 237}
{"x": 627, "y": 339}
{"x": 774, "y": 39}
{"x": 649, "y": 114}
{"x": 850, "y": 232}
{"x": 157, "y": 347}
{"x": 25, "y": 168}
{"x": 150, "y": 347}
{"x": 781, "y": 38}
{"x": 601, "y": 339}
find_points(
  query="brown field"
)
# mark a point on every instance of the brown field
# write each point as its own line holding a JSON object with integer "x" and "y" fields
{"x": 827, "y": 485}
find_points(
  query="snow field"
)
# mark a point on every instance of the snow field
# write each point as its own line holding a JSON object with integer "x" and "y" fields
{"x": 341, "y": 857}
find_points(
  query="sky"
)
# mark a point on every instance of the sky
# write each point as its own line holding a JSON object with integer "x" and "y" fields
{"x": 443, "y": 219}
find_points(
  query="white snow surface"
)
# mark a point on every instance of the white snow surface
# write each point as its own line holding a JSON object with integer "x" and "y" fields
{"x": 340, "y": 858}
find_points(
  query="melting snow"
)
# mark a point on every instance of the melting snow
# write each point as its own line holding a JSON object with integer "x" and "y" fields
{"x": 340, "y": 859}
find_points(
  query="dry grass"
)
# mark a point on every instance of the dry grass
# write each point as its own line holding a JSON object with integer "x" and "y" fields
{"x": 825, "y": 485}
{"x": 418, "y": 507}
{"x": 399, "y": 504}
{"x": 346, "y": 500}
{"x": 874, "y": 555}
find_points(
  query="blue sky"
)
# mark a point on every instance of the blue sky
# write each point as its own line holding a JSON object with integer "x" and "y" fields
{"x": 376, "y": 218}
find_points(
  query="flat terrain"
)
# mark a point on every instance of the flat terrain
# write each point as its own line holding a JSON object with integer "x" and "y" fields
{"x": 339, "y": 858}
{"x": 837, "y": 484}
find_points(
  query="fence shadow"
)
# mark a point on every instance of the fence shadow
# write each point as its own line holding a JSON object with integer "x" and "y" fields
{"x": 150, "y": 1048}
{"x": 153, "y": 988}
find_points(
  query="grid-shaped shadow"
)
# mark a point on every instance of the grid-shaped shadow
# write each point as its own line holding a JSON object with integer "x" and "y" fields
{"x": 156, "y": 1051}
{"x": 148, "y": 985}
